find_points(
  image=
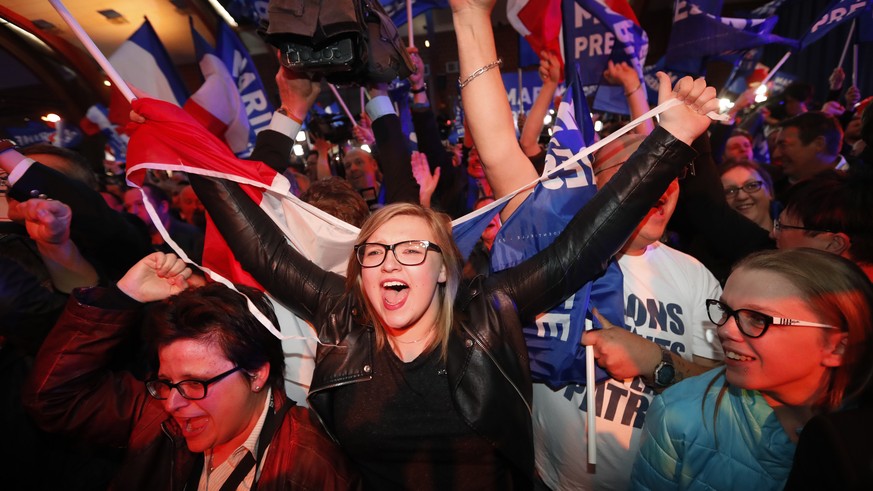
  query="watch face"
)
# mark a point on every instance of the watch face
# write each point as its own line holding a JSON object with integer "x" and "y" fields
{"x": 665, "y": 374}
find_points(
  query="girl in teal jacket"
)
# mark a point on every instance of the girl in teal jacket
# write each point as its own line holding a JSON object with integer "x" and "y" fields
{"x": 796, "y": 327}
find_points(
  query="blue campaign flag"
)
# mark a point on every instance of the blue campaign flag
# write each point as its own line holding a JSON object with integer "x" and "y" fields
{"x": 836, "y": 13}
{"x": 697, "y": 34}
{"x": 469, "y": 228}
{"x": 747, "y": 61}
{"x": 396, "y": 9}
{"x": 594, "y": 34}
{"x": 242, "y": 69}
{"x": 865, "y": 27}
{"x": 556, "y": 355}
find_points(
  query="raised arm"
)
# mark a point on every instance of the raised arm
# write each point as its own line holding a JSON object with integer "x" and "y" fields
{"x": 622, "y": 74}
{"x": 264, "y": 252}
{"x": 550, "y": 73}
{"x": 603, "y": 225}
{"x": 48, "y": 224}
{"x": 71, "y": 388}
{"x": 486, "y": 108}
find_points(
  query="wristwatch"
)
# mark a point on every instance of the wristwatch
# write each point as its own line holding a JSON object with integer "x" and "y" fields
{"x": 7, "y": 145}
{"x": 665, "y": 373}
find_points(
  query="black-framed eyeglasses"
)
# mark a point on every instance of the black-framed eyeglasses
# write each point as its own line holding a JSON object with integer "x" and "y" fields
{"x": 778, "y": 226}
{"x": 751, "y": 322}
{"x": 189, "y": 389}
{"x": 407, "y": 253}
{"x": 750, "y": 187}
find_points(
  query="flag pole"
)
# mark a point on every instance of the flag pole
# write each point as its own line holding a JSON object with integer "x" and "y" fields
{"x": 409, "y": 23}
{"x": 590, "y": 398}
{"x": 848, "y": 42}
{"x": 775, "y": 68}
{"x": 93, "y": 50}
{"x": 855, "y": 65}
{"x": 342, "y": 104}
{"x": 363, "y": 90}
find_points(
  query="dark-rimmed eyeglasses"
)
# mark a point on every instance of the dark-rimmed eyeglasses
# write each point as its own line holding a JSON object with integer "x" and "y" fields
{"x": 407, "y": 253}
{"x": 750, "y": 187}
{"x": 751, "y": 322}
{"x": 192, "y": 390}
{"x": 778, "y": 226}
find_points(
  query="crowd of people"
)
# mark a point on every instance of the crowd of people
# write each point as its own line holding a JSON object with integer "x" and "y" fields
{"x": 744, "y": 360}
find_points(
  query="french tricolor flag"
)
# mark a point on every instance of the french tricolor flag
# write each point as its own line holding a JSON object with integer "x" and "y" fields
{"x": 217, "y": 104}
{"x": 142, "y": 61}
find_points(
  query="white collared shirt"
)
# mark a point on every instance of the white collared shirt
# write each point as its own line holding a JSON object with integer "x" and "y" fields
{"x": 213, "y": 480}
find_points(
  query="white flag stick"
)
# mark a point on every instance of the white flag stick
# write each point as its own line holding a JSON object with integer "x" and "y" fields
{"x": 94, "y": 50}
{"x": 855, "y": 65}
{"x": 409, "y": 23}
{"x": 589, "y": 396}
{"x": 776, "y": 68}
{"x": 342, "y": 104}
{"x": 846, "y": 46}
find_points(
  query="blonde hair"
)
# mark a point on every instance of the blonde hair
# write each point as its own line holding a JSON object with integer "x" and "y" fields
{"x": 440, "y": 226}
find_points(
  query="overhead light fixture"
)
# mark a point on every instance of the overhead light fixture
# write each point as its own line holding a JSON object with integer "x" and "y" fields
{"x": 112, "y": 16}
{"x": 44, "y": 24}
{"x": 107, "y": 83}
{"x": 50, "y": 118}
{"x": 298, "y": 150}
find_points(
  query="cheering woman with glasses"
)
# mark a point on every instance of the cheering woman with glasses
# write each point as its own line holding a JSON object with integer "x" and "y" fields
{"x": 214, "y": 417}
{"x": 424, "y": 381}
{"x": 796, "y": 327}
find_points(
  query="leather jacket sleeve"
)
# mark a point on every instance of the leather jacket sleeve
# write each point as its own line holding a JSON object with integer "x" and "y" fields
{"x": 104, "y": 236}
{"x": 274, "y": 149}
{"x": 599, "y": 229}
{"x": 71, "y": 389}
{"x": 262, "y": 249}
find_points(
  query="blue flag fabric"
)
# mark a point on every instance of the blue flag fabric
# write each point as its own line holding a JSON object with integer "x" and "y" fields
{"x": 398, "y": 92}
{"x": 697, "y": 33}
{"x": 865, "y": 27}
{"x": 556, "y": 355}
{"x": 396, "y": 9}
{"x": 253, "y": 11}
{"x": 745, "y": 64}
{"x": 836, "y": 13}
{"x": 239, "y": 63}
{"x": 594, "y": 34}
{"x": 468, "y": 229}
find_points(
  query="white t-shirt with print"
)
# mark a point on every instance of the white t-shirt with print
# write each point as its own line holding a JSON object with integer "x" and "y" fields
{"x": 665, "y": 292}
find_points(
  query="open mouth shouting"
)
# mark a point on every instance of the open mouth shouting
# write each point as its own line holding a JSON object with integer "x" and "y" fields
{"x": 394, "y": 294}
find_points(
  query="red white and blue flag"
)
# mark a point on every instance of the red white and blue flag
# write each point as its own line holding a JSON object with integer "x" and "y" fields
{"x": 143, "y": 62}
{"x": 217, "y": 104}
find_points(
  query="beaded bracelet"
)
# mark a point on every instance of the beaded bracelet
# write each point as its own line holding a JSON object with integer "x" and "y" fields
{"x": 478, "y": 72}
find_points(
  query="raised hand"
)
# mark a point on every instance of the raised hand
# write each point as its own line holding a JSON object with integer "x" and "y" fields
{"x": 550, "y": 68}
{"x": 689, "y": 120}
{"x": 622, "y": 74}
{"x": 155, "y": 277}
{"x": 47, "y": 221}
{"x": 427, "y": 182}
{"x": 416, "y": 79}
{"x": 297, "y": 91}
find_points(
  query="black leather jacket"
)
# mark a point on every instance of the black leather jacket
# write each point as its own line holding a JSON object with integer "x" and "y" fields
{"x": 487, "y": 362}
